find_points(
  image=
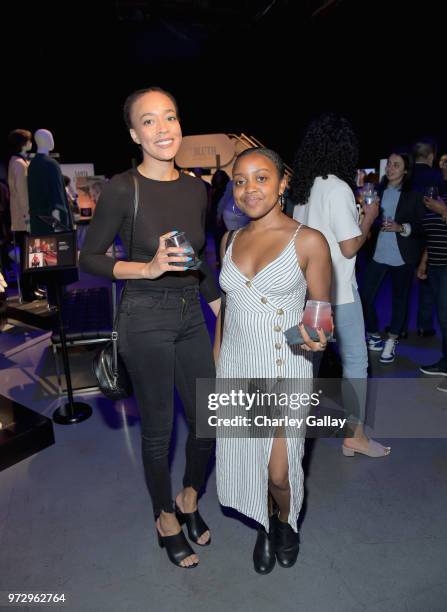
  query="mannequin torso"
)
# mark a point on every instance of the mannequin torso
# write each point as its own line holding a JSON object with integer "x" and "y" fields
{"x": 46, "y": 189}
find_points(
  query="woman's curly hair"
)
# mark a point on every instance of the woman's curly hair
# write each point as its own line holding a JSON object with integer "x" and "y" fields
{"x": 329, "y": 146}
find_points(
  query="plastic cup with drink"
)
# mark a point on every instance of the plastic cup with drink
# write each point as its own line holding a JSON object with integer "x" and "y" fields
{"x": 369, "y": 194}
{"x": 317, "y": 314}
{"x": 179, "y": 239}
{"x": 432, "y": 192}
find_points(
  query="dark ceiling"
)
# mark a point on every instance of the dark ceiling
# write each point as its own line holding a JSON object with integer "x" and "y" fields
{"x": 212, "y": 14}
{"x": 261, "y": 67}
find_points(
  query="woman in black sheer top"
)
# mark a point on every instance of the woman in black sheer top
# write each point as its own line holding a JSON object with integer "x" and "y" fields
{"x": 162, "y": 333}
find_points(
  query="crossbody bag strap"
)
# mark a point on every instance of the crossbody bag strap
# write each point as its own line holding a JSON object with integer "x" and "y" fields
{"x": 223, "y": 296}
{"x": 230, "y": 237}
{"x": 136, "y": 200}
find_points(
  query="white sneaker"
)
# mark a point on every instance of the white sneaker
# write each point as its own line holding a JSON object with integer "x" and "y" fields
{"x": 389, "y": 351}
{"x": 374, "y": 342}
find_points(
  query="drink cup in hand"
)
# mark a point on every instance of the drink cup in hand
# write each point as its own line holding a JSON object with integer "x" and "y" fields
{"x": 432, "y": 192}
{"x": 370, "y": 198}
{"x": 369, "y": 194}
{"x": 318, "y": 314}
{"x": 386, "y": 222}
{"x": 179, "y": 239}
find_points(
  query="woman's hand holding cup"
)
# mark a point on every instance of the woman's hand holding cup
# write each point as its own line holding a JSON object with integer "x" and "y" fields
{"x": 164, "y": 259}
{"x": 318, "y": 316}
{"x": 311, "y": 345}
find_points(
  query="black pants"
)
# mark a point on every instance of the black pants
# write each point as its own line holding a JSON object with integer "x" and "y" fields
{"x": 437, "y": 277}
{"x": 401, "y": 278}
{"x": 164, "y": 342}
{"x": 425, "y": 307}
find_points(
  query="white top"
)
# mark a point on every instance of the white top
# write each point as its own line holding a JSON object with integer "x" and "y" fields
{"x": 332, "y": 210}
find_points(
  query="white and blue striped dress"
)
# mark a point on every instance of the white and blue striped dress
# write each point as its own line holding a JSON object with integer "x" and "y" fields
{"x": 258, "y": 310}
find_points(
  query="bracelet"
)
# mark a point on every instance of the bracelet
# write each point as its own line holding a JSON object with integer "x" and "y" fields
{"x": 405, "y": 229}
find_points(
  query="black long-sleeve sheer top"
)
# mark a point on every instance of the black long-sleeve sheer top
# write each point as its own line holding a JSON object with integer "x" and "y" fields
{"x": 164, "y": 206}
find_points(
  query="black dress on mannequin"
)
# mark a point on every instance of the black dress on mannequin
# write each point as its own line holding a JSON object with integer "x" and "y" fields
{"x": 46, "y": 192}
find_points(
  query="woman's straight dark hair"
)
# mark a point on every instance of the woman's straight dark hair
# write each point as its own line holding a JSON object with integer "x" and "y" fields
{"x": 133, "y": 97}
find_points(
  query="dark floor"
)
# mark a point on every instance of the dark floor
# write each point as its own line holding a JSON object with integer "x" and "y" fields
{"x": 76, "y": 519}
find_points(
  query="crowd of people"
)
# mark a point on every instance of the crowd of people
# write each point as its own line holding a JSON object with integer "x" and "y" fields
{"x": 270, "y": 264}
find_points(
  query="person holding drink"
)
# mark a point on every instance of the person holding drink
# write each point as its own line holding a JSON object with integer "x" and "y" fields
{"x": 433, "y": 269}
{"x": 398, "y": 249}
{"x": 267, "y": 268}
{"x": 161, "y": 324}
{"x": 425, "y": 176}
{"x": 322, "y": 186}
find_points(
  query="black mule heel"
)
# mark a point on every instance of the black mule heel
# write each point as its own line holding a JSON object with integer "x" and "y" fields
{"x": 195, "y": 525}
{"x": 177, "y": 548}
{"x": 180, "y": 515}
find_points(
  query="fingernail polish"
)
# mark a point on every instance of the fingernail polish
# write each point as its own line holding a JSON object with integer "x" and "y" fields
{"x": 189, "y": 259}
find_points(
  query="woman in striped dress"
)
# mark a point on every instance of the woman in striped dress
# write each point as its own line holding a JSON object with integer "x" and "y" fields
{"x": 267, "y": 270}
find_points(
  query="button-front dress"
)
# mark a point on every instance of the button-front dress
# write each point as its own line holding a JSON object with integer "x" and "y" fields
{"x": 258, "y": 311}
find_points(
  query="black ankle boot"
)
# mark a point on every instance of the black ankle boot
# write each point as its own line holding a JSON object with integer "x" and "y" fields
{"x": 264, "y": 554}
{"x": 286, "y": 543}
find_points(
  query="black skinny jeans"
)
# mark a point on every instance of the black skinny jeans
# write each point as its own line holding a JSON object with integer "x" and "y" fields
{"x": 401, "y": 279}
{"x": 164, "y": 342}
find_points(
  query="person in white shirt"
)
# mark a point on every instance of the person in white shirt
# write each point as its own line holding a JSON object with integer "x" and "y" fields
{"x": 322, "y": 186}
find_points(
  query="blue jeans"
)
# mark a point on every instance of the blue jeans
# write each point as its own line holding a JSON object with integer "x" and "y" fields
{"x": 350, "y": 337}
{"x": 437, "y": 277}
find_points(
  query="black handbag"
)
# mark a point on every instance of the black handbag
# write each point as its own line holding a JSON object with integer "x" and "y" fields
{"x": 108, "y": 367}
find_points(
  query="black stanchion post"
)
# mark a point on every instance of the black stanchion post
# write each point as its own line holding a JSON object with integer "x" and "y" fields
{"x": 71, "y": 412}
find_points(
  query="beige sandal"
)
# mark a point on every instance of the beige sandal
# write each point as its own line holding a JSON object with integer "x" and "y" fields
{"x": 375, "y": 449}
